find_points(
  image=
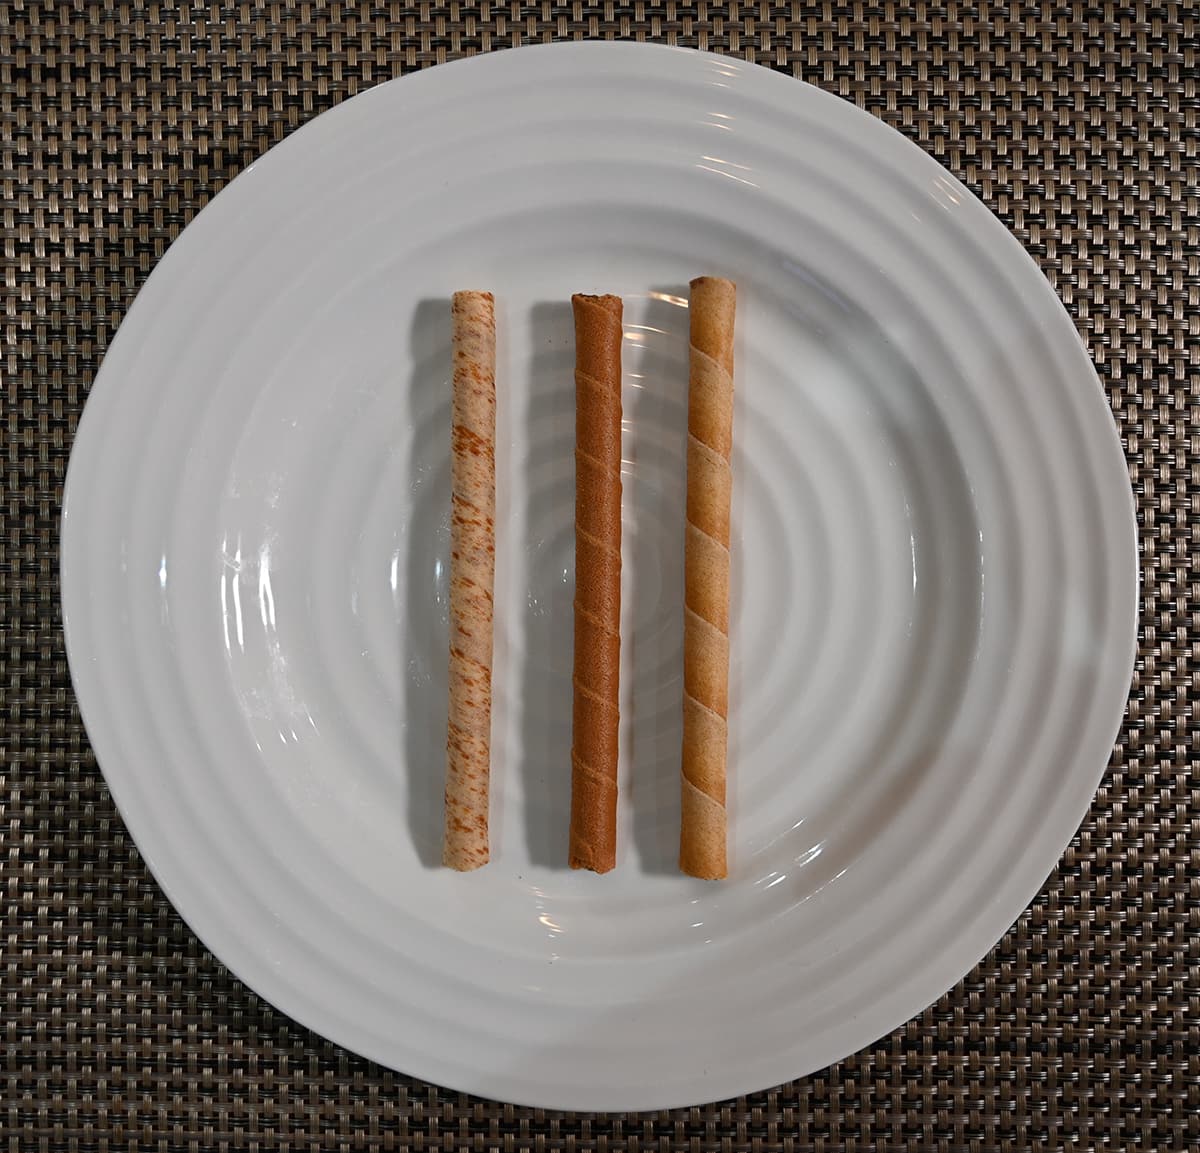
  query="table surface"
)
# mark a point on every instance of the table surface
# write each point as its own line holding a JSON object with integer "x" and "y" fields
{"x": 1078, "y": 124}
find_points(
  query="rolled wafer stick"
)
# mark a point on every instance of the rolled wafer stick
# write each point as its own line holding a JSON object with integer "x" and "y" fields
{"x": 472, "y": 569}
{"x": 596, "y": 716}
{"x": 702, "y": 838}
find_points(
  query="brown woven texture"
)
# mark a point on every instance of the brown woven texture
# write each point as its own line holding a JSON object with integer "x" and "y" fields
{"x": 1077, "y": 123}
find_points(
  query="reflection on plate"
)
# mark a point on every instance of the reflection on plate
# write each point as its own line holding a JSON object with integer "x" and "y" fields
{"x": 934, "y": 576}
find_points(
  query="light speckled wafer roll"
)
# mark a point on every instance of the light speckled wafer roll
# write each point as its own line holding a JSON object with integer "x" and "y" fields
{"x": 596, "y": 715}
{"x": 472, "y": 570}
{"x": 702, "y": 841}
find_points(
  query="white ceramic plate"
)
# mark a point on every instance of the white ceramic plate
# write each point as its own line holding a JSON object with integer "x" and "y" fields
{"x": 934, "y": 591}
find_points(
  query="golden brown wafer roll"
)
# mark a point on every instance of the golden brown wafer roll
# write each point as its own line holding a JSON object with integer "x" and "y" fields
{"x": 596, "y": 714}
{"x": 706, "y": 578}
{"x": 472, "y": 569}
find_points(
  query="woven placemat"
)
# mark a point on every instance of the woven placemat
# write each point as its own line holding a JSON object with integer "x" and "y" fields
{"x": 1077, "y": 123}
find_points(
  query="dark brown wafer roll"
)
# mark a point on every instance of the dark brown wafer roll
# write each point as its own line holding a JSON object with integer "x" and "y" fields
{"x": 596, "y": 716}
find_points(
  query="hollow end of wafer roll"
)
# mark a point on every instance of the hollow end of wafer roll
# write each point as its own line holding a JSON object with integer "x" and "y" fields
{"x": 606, "y": 301}
{"x": 711, "y": 308}
{"x": 702, "y": 852}
{"x": 593, "y": 843}
{"x": 467, "y": 297}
